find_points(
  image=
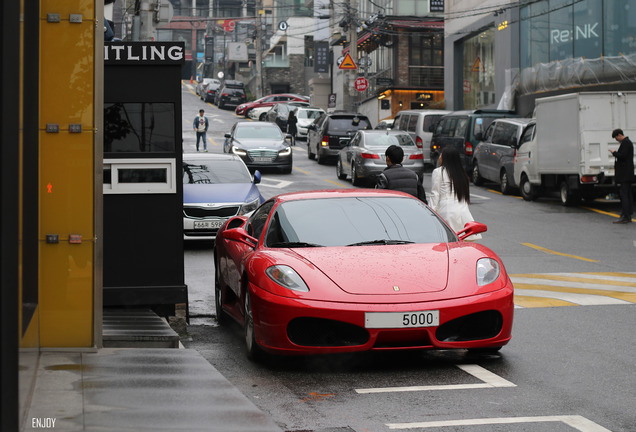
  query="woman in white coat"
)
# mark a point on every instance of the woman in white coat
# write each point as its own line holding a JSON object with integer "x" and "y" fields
{"x": 450, "y": 193}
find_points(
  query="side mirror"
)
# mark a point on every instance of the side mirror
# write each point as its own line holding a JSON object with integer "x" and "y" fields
{"x": 513, "y": 142}
{"x": 311, "y": 127}
{"x": 227, "y": 135}
{"x": 257, "y": 177}
{"x": 479, "y": 136}
{"x": 241, "y": 236}
{"x": 471, "y": 228}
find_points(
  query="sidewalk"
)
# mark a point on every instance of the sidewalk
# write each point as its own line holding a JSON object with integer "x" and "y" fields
{"x": 138, "y": 389}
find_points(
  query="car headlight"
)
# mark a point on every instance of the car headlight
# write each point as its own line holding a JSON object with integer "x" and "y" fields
{"x": 238, "y": 151}
{"x": 286, "y": 277}
{"x": 285, "y": 152}
{"x": 488, "y": 271}
{"x": 249, "y": 207}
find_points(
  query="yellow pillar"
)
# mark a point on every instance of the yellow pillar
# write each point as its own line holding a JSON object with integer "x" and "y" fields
{"x": 67, "y": 193}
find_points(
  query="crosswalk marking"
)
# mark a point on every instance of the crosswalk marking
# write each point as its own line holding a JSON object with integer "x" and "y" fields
{"x": 574, "y": 289}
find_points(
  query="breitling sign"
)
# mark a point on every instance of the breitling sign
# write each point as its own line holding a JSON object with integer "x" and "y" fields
{"x": 144, "y": 53}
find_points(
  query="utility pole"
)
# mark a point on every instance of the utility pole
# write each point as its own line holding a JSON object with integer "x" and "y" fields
{"x": 353, "y": 51}
{"x": 259, "y": 49}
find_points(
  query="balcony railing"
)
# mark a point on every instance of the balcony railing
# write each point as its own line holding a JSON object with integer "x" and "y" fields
{"x": 430, "y": 77}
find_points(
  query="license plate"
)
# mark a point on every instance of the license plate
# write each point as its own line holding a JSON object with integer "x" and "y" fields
{"x": 208, "y": 224}
{"x": 401, "y": 319}
{"x": 262, "y": 159}
{"x": 234, "y": 99}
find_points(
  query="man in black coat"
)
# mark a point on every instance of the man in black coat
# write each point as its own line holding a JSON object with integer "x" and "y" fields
{"x": 396, "y": 177}
{"x": 624, "y": 174}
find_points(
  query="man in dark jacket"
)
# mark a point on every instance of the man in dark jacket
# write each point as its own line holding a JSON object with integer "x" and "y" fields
{"x": 624, "y": 174}
{"x": 396, "y": 177}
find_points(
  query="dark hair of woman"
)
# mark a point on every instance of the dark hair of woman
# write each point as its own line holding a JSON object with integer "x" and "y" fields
{"x": 458, "y": 177}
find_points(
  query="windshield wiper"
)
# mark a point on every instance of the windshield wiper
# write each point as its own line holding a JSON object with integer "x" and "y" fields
{"x": 294, "y": 244}
{"x": 381, "y": 242}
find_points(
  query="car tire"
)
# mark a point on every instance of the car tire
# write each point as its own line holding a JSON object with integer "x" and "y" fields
{"x": 568, "y": 197}
{"x": 504, "y": 183}
{"x": 355, "y": 181}
{"x": 341, "y": 175}
{"x": 218, "y": 295}
{"x": 310, "y": 155}
{"x": 262, "y": 117}
{"x": 477, "y": 179}
{"x": 320, "y": 158}
{"x": 527, "y": 189}
{"x": 254, "y": 352}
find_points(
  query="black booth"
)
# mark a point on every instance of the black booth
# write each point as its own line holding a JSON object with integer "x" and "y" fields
{"x": 143, "y": 192}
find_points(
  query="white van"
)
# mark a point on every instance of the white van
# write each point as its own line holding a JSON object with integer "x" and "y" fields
{"x": 419, "y": 124}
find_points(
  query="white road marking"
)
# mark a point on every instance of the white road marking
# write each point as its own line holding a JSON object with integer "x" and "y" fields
{"x": 573, "y": 284}
{"x": 490, "y": 380}
{"x": 579, "y": 423}
{"x": 278, "y": 184}
{"x": 479, "y": 196}
{"x": 580, "y": 299}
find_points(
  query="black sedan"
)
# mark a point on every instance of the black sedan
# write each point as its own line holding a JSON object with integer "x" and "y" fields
{"x": 260, "y": 145}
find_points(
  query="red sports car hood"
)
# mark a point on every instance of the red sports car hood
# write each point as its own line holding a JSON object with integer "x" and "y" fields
{"x": 407, "y": 269}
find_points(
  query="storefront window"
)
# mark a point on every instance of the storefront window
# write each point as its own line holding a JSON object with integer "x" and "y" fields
{"x": 479, "y": 70}
{"x": 588, "y": 29}
{"x": 562, "y": 34}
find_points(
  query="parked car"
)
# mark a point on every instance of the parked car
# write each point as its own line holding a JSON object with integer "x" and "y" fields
{"x": 260, "y": 145}
{"x": 388, "y": 274}
{"x": 259, "y": 113}
{"x": 306, "y": 115}
{"x": 279, "y": 113}
{"x": 269, "y": 100}
{"x": 208, "y": 93}
{"x": 463, "y": 130}
{"x": 420, "y": 124}
{"x": 232, "y": 93}
{"x": 330, "y": 132}
{"x": 493, "y": 158}
{"x": 385, "y": 124}
{"x": 215, "y": 188}
{"x": 363, "y": 157}
{"x": 198, "y": 89}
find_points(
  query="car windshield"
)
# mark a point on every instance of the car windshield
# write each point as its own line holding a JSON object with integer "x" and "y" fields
{"x": 355, "y": 221}
{"x": 383, "y": 141}
{"x": 210, "y": 171}
{"x": 348, "y": 123}
{"x": 309, "y": 114}
{"x": 268, "y": 131}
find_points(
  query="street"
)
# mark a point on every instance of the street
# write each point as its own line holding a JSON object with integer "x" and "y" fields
{"x": 568, "y": 367}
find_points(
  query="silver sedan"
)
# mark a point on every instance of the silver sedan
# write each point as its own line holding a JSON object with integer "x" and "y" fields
{"x": 363, "y": 157}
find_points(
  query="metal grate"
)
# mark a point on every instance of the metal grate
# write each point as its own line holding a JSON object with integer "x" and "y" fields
{"x": 203, "y": 212}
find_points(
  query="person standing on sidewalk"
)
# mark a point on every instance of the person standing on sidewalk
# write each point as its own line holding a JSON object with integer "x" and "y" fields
{"x": 624, "y": 175}
{"x": 200, "y": 125}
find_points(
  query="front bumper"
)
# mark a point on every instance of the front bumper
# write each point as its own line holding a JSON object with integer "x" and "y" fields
{"x": 294, "y": 327}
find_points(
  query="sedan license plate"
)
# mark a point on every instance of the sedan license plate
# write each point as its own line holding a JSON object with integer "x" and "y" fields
{"x": 208, "y": 224}
{"x": 401, "y": 319}
{"x": 262, "y": 159}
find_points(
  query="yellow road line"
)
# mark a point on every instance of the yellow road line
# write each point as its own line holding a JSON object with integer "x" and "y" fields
{"x": 213, "y": 142}
{"x": 302, "y": 171}
{"x": 581, "y": 278}
{"x": 630, "y": 297}
{"x": 336, "y": 183}
{"x": 536, "y": 302}
{"x": 548, "y": 251}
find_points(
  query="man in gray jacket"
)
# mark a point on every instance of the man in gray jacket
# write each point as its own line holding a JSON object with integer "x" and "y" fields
{"x": 396, "y": 177}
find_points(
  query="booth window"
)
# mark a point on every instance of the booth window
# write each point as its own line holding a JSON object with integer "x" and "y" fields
{"x": 139, "y": 127}
{"x": 139, "y": 176}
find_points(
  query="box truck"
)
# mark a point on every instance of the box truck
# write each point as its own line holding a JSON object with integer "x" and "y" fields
{"x": 565, "y": 147}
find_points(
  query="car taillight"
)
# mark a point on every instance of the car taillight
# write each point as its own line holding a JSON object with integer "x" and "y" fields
{"x": 369, "y": 156}
{"x": 325, "y": 141}
{"x": 589, "y": 179}
{"x": 434, "y": 146}
{"x": 224, "y": 94}
{"x": 418, "y": 142}
{"x": 469, "y": 148}
{"x": 416, "y": 156}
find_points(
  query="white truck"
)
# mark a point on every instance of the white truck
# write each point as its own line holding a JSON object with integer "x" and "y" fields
{"x": 565, "y": 147}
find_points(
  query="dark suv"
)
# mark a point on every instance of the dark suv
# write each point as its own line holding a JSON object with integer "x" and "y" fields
{"x": 331, "y": 131}
{"x": 463, "y": 130}
{"x": 232, "y": 93}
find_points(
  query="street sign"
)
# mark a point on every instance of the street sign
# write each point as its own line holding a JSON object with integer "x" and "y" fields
{"x": 347, "y": 63}
{"x": 361, "y": 84}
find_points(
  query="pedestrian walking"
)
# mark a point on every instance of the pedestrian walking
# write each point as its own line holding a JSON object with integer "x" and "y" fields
{"x": 624, "y": 175}
{"x": 292, "y": 129}
{"x": 200, "y": 125}
{"x": 450, "y": 194}
{"x": 396, "y": 177}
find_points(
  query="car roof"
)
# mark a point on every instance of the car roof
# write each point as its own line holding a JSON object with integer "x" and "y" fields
{"x": 483, "y": 112}
{"x": 208, "y": 156}
{"x": 383, "y": 132}
{"x": 340, "y": 193}
{"x": 256, "y": 124}
{"x": 517, "y": 120}
{"x": 423, "y": 111}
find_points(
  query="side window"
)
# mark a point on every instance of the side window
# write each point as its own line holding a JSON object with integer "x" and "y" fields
{"x": 489, "y": 133}
{"x": 460, "y": 129}
{"x": 503, "y": 133}
{"x": 448, "y": 127}
{"x": 527, "y": 134}
{"x": 412, "y": 123}
{"x": 256, "y": 223}
{"x": 404, "y": 121}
